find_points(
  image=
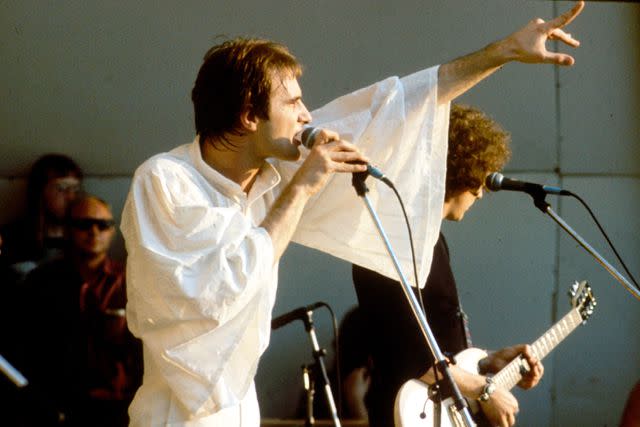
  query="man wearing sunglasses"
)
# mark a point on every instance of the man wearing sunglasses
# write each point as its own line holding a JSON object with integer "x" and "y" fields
{"x": 92, "y": 364}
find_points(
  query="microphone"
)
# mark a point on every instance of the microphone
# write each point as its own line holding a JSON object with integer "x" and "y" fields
{"x": 496, "y": 182}
{"x": 298, "y": 313}
{"x": 306, "y": 138}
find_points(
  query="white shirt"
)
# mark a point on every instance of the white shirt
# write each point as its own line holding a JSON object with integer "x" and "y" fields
{"x": 201, "y": 279}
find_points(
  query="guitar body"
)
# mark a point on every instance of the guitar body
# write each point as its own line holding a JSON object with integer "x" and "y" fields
{"x": 415, "y": 408}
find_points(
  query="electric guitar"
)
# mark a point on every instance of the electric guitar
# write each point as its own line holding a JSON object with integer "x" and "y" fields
{"x": 414, "y": 406}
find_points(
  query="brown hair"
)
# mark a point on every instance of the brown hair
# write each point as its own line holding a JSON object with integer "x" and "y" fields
{"x": 477, "y": 147}
{"x": 236, "y": 77}
{"x": 46, "y": 168}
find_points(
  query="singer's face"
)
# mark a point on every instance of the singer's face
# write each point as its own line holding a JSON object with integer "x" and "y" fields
{"x": 287, "y": 115}
{"x": 458, "y": 205}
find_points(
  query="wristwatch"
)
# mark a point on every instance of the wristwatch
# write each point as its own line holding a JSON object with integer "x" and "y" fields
{"x": 488, "y": 389}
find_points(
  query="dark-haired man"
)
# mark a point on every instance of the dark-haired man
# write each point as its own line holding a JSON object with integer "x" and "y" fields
{"x": 206, "y": 224}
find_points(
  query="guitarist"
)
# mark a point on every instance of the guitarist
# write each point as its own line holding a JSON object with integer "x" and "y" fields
{"x": 477, "y": 147}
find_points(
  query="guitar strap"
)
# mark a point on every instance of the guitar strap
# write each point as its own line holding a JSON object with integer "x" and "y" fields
{"x": 464, "y": 319}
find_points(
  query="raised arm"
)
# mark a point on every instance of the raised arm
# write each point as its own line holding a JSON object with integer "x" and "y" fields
{"x": 526, "y": 45}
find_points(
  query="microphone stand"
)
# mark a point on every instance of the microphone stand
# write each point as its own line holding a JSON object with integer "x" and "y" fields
{"x": 460, "y": 405}
{"x": 540, "y": 202}
{"x": 318, "y": 354}
{"x": 310, "y": 390}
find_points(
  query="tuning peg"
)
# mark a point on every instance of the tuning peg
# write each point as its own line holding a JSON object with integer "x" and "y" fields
{"x": 573, "y": 289}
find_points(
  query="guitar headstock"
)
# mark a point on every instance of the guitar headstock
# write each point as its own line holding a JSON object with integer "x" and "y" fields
{"x": 582, "y": 298}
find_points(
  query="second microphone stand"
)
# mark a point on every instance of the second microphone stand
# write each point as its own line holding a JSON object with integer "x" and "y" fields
{"x": 540, "y": 202}
{"x": 440, "y": 367}
{"x": 318, "y": 355}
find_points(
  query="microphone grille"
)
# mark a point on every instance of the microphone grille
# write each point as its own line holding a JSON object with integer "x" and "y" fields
{"x": 307, "y": 135}
{"x": 494, "y": 181}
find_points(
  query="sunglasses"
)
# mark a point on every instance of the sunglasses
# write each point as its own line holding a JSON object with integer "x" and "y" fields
{"x": 86, "y": 224}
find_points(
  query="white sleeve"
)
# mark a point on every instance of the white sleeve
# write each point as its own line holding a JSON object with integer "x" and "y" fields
{"x": 196, "y": 273}
{"x": 400, "y": 126}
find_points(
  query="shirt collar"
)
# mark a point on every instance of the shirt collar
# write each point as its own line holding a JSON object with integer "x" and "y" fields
{"x": 267, "y": 178}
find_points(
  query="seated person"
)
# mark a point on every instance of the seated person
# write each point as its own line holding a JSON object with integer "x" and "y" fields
{"x": 54, "y": 181}
{"x": 38, "y": 235}
{"x": 74, "y": 310}
{"x": 477, "y": 147}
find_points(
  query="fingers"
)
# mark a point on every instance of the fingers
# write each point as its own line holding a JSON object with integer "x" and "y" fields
{"x": 501, "y": 408}
{"x": 342, "y": 151}
{"x": 566, "y": 17}
{"x": 537, "y": 370}
{"x": 340, "y": 156}
{"x": 321, "y": 136}
{"x": 554, "y": 32}
{"x": 567, "y": 38}
{"x": 328, "y": 140}
{"x": 531, "y": 376}
{"x": 330, "y": 154}
{"x": 529, "y": 355}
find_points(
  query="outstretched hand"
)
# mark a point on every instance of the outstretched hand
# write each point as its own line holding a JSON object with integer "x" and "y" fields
{"x": 525, "y": 45}
{"x": 529, "y": 43}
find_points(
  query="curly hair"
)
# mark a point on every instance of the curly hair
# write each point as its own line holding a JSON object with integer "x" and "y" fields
{"x": 477, "y": 147}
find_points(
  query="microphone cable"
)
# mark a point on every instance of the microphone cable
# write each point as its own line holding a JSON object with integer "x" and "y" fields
{"x": 415, "y": 277}
{"x": 613, "y": 248}
{"x": 411, "y": 245}
{"x": 336, "y": 349}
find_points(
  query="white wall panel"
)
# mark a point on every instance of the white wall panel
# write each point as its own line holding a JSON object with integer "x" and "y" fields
{"x": 592, "y": 379}
{"x": 600, "y": 96}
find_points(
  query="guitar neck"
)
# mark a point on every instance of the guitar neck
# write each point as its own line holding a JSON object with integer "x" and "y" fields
{"x": 510, "y": 375}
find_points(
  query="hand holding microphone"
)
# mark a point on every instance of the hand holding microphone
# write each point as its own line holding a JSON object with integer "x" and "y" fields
{"x": 329, "y": 155}
{"x": 308, "y": 137}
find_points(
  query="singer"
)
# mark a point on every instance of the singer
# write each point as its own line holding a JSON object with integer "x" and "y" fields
{"x": 206, "y": 223}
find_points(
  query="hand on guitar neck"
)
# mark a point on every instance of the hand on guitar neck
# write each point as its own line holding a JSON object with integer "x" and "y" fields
{"x": 498, "y": 360}
{"x": 499, "y": 410}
